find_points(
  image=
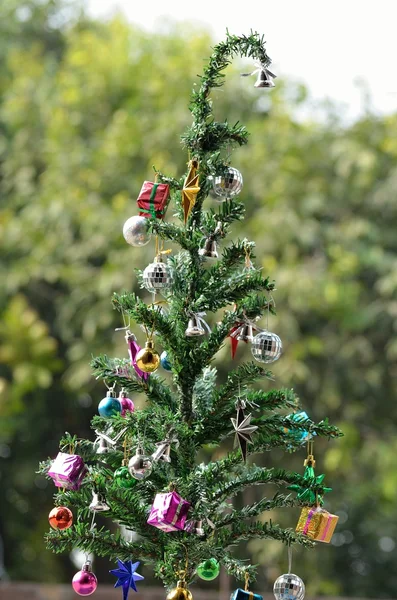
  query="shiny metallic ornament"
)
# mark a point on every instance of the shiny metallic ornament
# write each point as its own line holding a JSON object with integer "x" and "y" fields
{"x": 165, "y": 363}
{"x": 157, "y": 276}
{"x": 228, "y": 185}
{"x": 123, "y": 477}
{"x": 194, "y": 327}
{"x": 289, "y": 587}
{"x": 209, "y": 569}
{"x": 264, "y": 79}
{"x": 85, "y": 582}
{"x": 140, "y": 465}
{"x": 147, "y": 359}
{"x": 98, "y": 503}
{"x": 198, "y": 529}
{"x": 245, "y": 333}
{"x": 109, "y": 406}
{"x": 180, "y": 592}
{"x": 135, "y": 231}
{"x": 60, "y": 518}
{"x": 102, "y": 446}
{"x": 209, "y": 250}
{"x": 266, "y": 347}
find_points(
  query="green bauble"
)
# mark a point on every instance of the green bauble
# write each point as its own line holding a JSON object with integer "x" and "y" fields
{"x": 123, "y": 478}
{"x": 209, "y": 569}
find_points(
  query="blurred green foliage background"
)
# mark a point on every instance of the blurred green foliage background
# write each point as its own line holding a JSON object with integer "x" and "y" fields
{"x": 86, "y": 109}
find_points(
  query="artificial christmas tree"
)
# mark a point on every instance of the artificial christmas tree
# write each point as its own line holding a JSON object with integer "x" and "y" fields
{"x": 144, "y": 474}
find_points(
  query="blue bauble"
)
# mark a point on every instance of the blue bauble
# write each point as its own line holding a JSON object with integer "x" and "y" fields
{"x": 109, "y": 406}
{"x": 165, "y": 363}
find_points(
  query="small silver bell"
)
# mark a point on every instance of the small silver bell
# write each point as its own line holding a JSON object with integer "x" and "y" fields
{"x": 199, "y": 529}
{"x": 245, "y": 334}
{"x": 102, "y": 446}
{"x": 166, "y": 456}
{"x": 194, "y": 327}
{"x": 264, "y": 80}
{"x": 209, "y": 249}
{"x": 98, "y": 503}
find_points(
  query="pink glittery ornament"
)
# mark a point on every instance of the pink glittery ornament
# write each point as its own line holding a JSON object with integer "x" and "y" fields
{"x": 127, "y": 405}
{"x": 169, "y": 512}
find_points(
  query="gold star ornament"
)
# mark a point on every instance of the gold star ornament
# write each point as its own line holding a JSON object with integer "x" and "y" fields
{"x": 190, "y": 188}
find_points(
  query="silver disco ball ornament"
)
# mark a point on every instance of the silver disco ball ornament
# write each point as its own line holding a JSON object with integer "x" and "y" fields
{"x": 158, "y": 276}
{"x": 135, "y": 231}
{"x": 266, "y": 347}
{"x": 228, "y": 185}
{"x": 289, "y": 587}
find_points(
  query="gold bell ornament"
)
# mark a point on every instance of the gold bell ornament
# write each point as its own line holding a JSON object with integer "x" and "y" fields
{"x": 148, "y": 359}
{"x": 180, "y": 592}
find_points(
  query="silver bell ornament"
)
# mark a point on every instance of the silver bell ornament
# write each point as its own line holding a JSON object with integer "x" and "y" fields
{"x": 209, "y": 249}
{"x": 289, "y": 587}
{"x": 228, "y": 184}
{"x": 102, "y": 447}
{"x": 140, "y": 465}
{"x": 245, "y": 333}
{"x": 266, "y": 347}
{"x": 194, "y": 327}
{"x": 264, "y": 79}
{"x": 135, "y": 231}
{"x": 157, "y": 276}
{"x": 98, "y": 503}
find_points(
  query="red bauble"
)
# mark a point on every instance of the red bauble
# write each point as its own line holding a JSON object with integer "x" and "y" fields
{"x": 60, "y": 517}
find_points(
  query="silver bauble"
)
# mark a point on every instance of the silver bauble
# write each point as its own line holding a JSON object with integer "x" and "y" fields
{"x": 289, "y": 587}
{"x": 135, "y": 231}
{"x": 157, "y": 276}
{"x": 140, "y": 466}
{"x": 228, "y": 185}
{"x": 266, "y": 347}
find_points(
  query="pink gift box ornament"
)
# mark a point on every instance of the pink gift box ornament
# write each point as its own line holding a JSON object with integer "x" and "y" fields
{"x": 68, "y": 471}
{"x": 169, "y": 512}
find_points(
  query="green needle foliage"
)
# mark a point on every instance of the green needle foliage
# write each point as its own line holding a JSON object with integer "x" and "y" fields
{"x": 193, "y": 406}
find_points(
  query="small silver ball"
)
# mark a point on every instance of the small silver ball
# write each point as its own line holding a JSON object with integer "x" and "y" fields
{"x": 289, "y": 587}
{"x": 157, "y": 276}
{"x": 266, "y": 347}
{"x": 140, "y": 466}
{"x": 135, "y": 231}
{"x": 228, "y": 185}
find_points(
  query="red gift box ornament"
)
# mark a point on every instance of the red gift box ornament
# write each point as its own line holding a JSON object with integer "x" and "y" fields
{"x": 68, "y": 471}
{"x": 169, "y": 512}
{"x": 153, "y": 199}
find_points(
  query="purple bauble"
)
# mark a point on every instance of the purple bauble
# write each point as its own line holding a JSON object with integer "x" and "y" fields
{"x": 84, "y": 582}
{"x": 127, "y": 405}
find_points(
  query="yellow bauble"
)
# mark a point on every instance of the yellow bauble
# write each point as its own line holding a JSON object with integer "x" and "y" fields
{"x": 180, "y": 592}
{"x": 147, "y": 359}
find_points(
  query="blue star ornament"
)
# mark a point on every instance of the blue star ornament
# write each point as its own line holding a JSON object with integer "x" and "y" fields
{"x": 126, "y": 576}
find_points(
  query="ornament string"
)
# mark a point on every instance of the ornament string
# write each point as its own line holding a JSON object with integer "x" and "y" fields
{"x": 247, "y": 580}
{"x": 289, "y": 558}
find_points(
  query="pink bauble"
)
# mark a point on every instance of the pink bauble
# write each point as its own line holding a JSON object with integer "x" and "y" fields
{"x": 84, "y": 583}
{"x": 127, "y": 406}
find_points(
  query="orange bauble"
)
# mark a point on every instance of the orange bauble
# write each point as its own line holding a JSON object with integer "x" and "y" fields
{"x": 60, "y": 517}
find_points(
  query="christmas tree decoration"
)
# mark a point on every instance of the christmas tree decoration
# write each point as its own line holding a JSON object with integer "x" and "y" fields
{"x": 109, "y": 406}
{"x": 165, "y": 363}
{"x": 60, "y": 518}
{"x": 153, "y": 199}
{"x": 289, "y": 587}
{"x": 133, "y": 350}
{"x": 169, "y": 512}
{"x": 243, "y": 428}
{"x": 147, "y": 359}
{"x": 126, "y": 576}
{"x": 193, "y": 407}
{"x": 140, "y": 465}
{"x": 68, "y": 471}
{"x": 317, "y": 523}
{"x": 180, "y": 592}
{"x": 190, "y": 188}
{"x": 85, "y": 582}
{"x": 228, "y": 185}
{"x": 307, "y": 490}
{"x": 158, "y": 276}
{"x": 301, "y": 436}
{"x": 264, "y": 76}
{"x": 136, "y": 231}
{"x": 196, "y": 326}
{"x": 266, "y": 347}
{"x": 209, "y": 569}
{"x": 98, "y": 502}
{"x": 127, "y": 405}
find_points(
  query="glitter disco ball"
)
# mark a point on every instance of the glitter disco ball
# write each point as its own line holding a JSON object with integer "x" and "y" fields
{"x": 266, "y": 347}
{"x": 157, "y": 277}
{"x": 135, "y": 231}
{"x": 228, "y": 185}
{"x": 289, "y": 587}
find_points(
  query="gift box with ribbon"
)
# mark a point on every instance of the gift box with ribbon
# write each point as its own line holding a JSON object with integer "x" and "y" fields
{"x": 240, "y": 594}
{"x": 169, "y": 512}
{"x": 317, "y": 523}
{"x": 153, "y": 199}
{"x": 68, "y": 471}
